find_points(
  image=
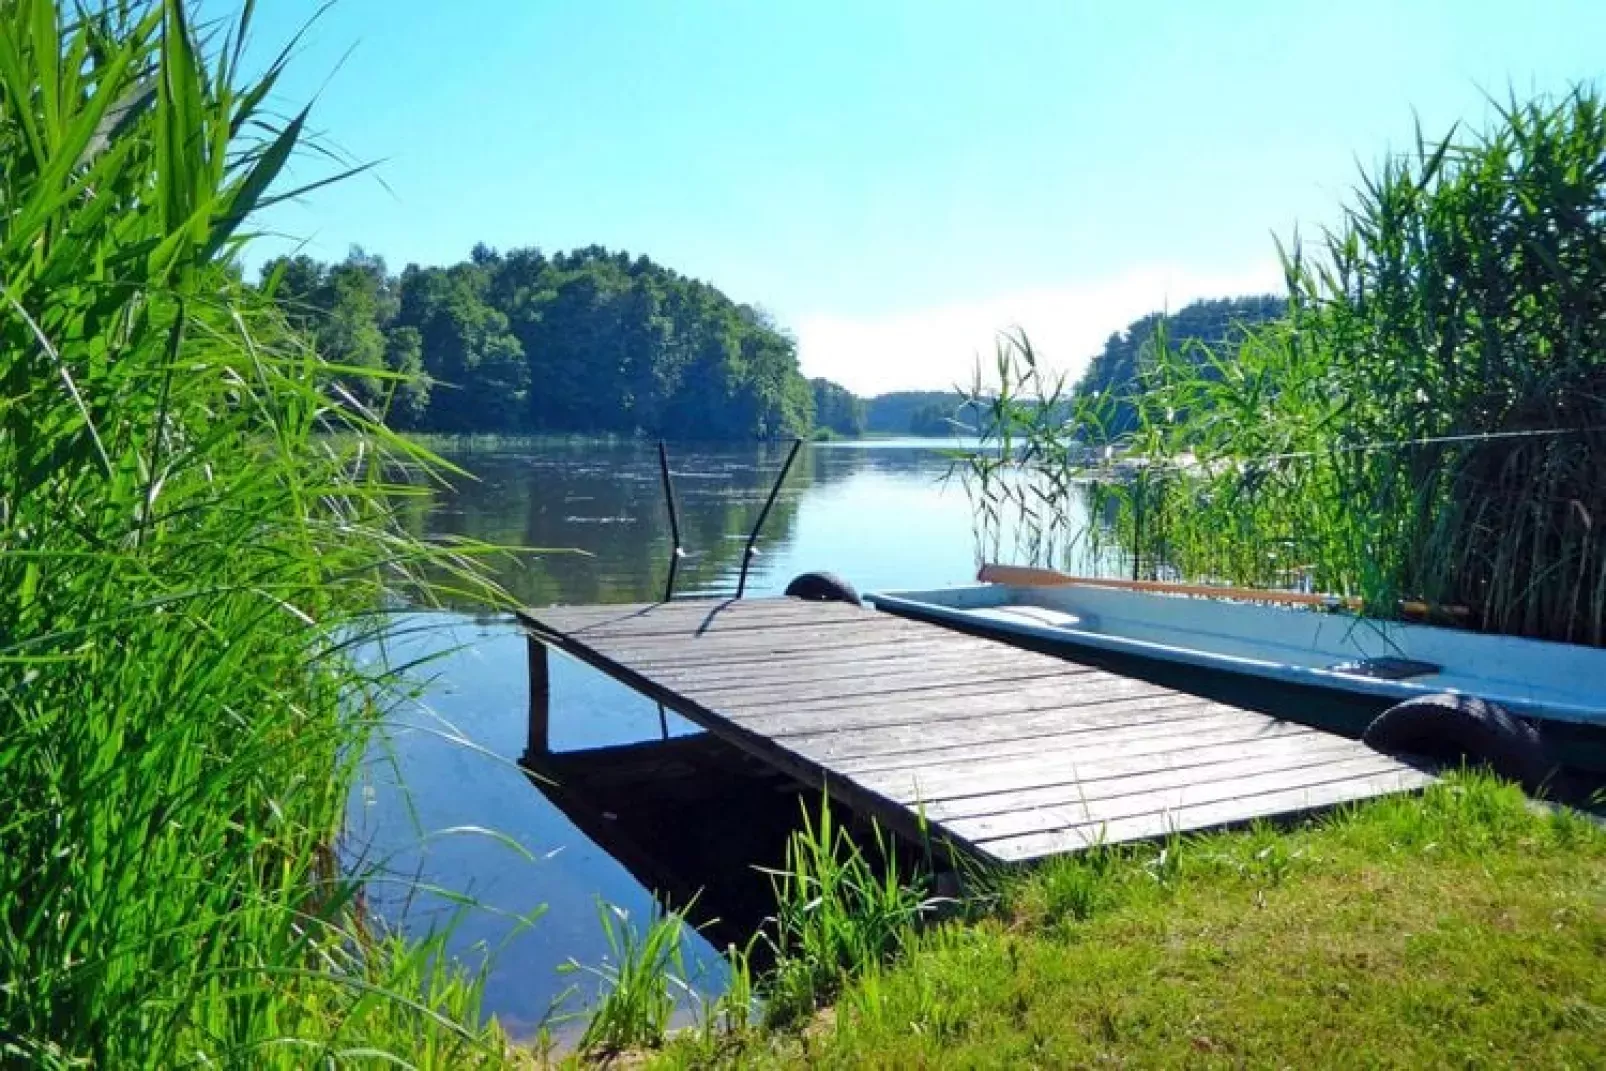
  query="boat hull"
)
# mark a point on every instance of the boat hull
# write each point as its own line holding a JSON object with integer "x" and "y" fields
{"x": 1314, "y": 651}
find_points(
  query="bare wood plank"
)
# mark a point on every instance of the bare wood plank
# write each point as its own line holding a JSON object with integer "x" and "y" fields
{"x": 787, "y": 673}
{"x": 717, "y": 657}
{"x": 667, "y": 635}
{"x": 696, "y": 617}
{"x": 889, "y": 734}
{"x": 1110, "y": 754}
{"x": 1203, "y": 816}
{"x": 1175, "y": 800}
{"x": 687, "y": 609}
{"x": 1073, "y": 734}
{"x": 1078, "y": 681}
{"x": 1122, "y": 776}
{"x": 710, "y": 647}
{"x": 1072, "y": 688}
{"x": 954, "y": 681}
{"x": 797, "y": 651}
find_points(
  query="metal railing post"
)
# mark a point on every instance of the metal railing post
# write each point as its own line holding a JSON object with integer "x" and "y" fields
{"x": 677, "y": 552}
{"x": 747, "y": 554}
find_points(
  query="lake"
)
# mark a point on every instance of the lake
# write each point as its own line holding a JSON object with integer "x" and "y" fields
{"x": 444, "y": 809}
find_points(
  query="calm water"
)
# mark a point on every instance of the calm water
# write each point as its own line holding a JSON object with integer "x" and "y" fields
{"x": 469, "y": 821}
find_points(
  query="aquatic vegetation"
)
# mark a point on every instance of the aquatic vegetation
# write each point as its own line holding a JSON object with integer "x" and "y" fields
{"x": 1428, "y": 422}
{"x": 839, "y": 911}
{"x": 642, "y": 981}
{"x": 187, "y": 556}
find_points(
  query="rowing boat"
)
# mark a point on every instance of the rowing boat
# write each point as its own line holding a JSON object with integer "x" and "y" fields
{"x": 1311, "y": 640}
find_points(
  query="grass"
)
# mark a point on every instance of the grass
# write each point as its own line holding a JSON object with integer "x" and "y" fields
{"x": 839, "y": 912}
{"x": 641, "y": 981}
{"x": 194, "y": 529}
{"x": 1458, "y": 927}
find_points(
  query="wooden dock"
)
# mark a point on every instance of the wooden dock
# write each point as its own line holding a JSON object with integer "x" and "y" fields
{"x": 1008, "y": 754}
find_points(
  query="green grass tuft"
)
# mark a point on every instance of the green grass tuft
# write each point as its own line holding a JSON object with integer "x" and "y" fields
{"x": 1461, "y": 926}
{"x": 188, "y": 554}
{"x": 643, "y": 981}
{"x": 839, "y": 912}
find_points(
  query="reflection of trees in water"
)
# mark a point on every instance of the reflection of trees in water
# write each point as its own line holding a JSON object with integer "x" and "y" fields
{"x": 606, "y": 499}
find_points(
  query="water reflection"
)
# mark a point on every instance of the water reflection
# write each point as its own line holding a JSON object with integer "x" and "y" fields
{"x": 468, "y": 820}
{"x": 606, "y": 499}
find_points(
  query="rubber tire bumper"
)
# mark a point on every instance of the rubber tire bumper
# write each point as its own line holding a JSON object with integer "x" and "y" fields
{"x": 1463, "y": 727}
{"x": 822, "y": 587}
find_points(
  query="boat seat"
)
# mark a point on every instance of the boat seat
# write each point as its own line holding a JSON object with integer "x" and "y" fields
{"x": 1387, "y": 669}
{"x": 1029, "y": 615}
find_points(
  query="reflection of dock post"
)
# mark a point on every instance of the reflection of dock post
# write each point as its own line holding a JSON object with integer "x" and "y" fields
{"x": 539, "y": 742}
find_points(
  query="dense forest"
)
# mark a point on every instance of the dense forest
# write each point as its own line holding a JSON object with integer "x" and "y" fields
{"x": 518, "y": 342}
{"x": 591, "y": 341}
{"x": 594, "y": 341}
{"x": 838, "y": 410}
{"x": 1114, "y": 372}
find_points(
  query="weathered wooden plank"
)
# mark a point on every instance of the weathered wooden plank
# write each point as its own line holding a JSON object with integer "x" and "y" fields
{"x": 785, "y": 650}
{"x": 1067, "y": 733}
{"x": 875, "y": 680}
{"x": 1203, "y": 816}
{"x": 924, "y": 714}
{"x": 575, "y": 617}
{"x": 902, "y": 684}
{"x": 1176, "y": 799}
{"x": 1119, "y": 776}
{"x": 1109, "y": 754}
{"x": 647, "y": 639}
{"x": 1077, "y": 681}
{"x": 697, "y": 618}
{"x": 842, "y": 665}
{"x": 888, "y": 741}
{"x": 766, "y": 640}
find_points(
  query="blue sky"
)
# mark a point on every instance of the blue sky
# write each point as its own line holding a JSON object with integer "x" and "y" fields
{"x": 896, "y": 181}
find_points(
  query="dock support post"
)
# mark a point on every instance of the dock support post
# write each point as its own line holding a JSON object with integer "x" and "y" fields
{"x": 539, "y": 742}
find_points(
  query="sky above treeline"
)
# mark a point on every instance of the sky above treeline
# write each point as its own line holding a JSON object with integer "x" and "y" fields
{"x": 895, "y": 181}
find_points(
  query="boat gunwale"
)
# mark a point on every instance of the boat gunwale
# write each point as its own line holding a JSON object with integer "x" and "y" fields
{"x": 938, "y": 605}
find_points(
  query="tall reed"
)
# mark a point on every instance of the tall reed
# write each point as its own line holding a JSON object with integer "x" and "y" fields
{"x": 1427, "y": 423}
{"x": 185, "y": 557}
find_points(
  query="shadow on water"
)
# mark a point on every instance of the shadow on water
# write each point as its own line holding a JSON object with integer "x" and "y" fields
{"x": 691, "y": 818}
{"x": 628, "y": 801}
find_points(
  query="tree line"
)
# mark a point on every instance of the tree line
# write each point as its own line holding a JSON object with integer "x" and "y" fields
{"x": 522, "y": 342}
{"x": 596, "y": 341}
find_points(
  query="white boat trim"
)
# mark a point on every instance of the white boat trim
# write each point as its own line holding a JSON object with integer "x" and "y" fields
{"x": 1535, "y": 678}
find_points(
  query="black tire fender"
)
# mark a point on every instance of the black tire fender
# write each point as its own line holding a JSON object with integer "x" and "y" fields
{"x": 1463, "y": 727}
{"x": 822, "y": 587}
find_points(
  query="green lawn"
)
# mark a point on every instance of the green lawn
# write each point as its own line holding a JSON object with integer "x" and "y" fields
{"x": 1457, "y": 928}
